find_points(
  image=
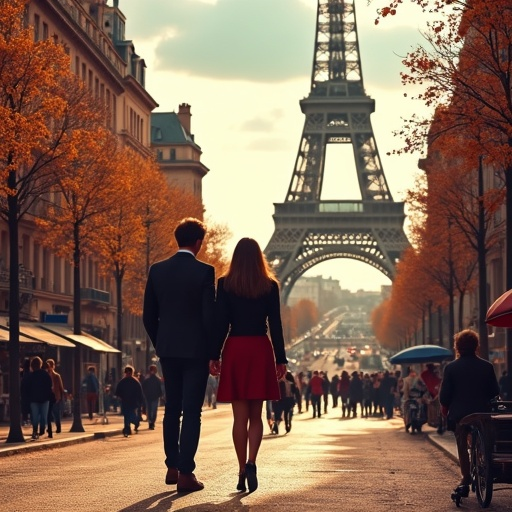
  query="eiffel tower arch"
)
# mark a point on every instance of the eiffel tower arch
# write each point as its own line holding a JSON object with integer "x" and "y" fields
{"x": 309, "y": 230}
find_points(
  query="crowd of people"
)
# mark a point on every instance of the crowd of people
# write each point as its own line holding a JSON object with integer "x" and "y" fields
{"x": 378, "y": 394}
{"x": 43, "y": 396}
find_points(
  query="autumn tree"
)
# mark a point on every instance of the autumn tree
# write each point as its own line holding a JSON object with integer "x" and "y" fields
{"x": 39, "y": 107}
{"x": 306, "y": 314}
{"x": 85, "y": 185}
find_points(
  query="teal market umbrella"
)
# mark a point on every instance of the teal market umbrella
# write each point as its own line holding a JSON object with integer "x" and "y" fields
{"x": 422, "y": 354}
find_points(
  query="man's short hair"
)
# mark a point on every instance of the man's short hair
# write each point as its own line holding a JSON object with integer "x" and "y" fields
{"x": 50, "y": 363}
{"x": 189, "y": 231}
{"x": 128, "y": 369}
{"x": 91, "y": 369}
{"x": 36, "y": 363}
{"x": 466, "y": 342}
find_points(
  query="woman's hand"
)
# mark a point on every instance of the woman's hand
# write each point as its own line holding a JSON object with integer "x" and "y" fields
{"x": 215, "y": 366}
{"x": 280, "y": 371}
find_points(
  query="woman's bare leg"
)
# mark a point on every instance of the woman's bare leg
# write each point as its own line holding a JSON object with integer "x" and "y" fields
{"x": 255, "y": 432}
{"x": 241, "y": 410}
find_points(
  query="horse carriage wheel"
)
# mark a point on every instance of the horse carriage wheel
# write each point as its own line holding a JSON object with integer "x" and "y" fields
{"x": 481, "y": 469}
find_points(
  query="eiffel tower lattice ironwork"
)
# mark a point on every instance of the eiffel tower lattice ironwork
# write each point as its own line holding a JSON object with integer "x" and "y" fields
{"x": 309, "y": 230}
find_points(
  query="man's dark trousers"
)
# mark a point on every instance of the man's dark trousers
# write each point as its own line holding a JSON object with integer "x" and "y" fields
{"x": 187, "y": 378}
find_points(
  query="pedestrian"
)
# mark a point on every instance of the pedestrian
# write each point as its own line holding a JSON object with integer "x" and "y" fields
{"x": 92, "y": 388}
{"x": 178, "y": 313}
{"x": 300, "y": 384}
{"x": 283, "y": 408}
{"x": 288, "y": 393}
{"x": 388, "y": 386}
{"x": 152, "y": 390}
{"x": 317, "y": 391}
{"x": 129, "y": 391}
{"x": 38, "y": 387}
{"x": 248, "y": 306}
{"x": 55, "y": 410}
{"x": 326, "y": 386}
{"x": 211, "y": 391}
{"x": 376, "y": 395}
{"x": 355, "y": 394}
{"x": 431, "y": 379}
{"x": 333, "y": 390}
{"x": 307, "y": 390}
{"x": 469, "y": 384}
{"x": 367, "y": 395}
{"x": 343, "y": 392}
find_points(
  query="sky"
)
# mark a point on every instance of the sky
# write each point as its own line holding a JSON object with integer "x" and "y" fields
{"x": 243, "y": 66}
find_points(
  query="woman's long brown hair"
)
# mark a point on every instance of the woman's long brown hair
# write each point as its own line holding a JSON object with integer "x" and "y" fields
{"x": 249, "y": 274}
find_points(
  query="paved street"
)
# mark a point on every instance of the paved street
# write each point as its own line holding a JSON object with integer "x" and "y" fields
{"x": 322, "y": 464}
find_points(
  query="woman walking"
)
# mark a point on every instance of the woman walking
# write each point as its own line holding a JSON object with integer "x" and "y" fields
{"x": 247, "y": 301}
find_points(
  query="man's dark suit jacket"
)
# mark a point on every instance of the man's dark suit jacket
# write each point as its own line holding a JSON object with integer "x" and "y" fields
{"x": 469, "y": 384}
{"x": 179, "y": 307}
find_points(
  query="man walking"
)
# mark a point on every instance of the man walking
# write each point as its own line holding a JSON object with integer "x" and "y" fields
{"x": 178, "y": 316}
{"x": 152, "y": 389}
{"x": 58, "y": 391}
{"x": 92, "y": 388}
{"x": 129, "y": 390}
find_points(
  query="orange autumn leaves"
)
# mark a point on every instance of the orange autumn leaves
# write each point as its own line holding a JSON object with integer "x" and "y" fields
{"x": 88, "y": 192}
{"x": 463, "y": 72}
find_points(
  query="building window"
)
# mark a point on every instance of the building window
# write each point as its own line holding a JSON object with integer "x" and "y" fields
{"x": 36, "y": 27}
{"x": 45, "y": 31}
{"x": 173, "y": 154}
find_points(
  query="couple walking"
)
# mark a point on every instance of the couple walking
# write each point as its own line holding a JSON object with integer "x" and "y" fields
{"x": 191, "y": 326}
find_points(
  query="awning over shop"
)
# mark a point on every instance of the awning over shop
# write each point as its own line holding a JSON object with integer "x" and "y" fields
{"x": 40, "y": 334}
{"x": 4, "y": 336}
{"x": 84, "y": 338}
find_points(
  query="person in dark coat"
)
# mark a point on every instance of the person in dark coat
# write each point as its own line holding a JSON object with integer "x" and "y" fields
{"x": 355, "y": 394}
{"x": 469, "y": 384}
{"x": 38, "y": 389}
{"x": 333, "y": 390}
{"x": 343, "y": 392}
{"x": 129, "y": 390}
{"x": 152, "y": 389}
{"x": 178, "y": 315}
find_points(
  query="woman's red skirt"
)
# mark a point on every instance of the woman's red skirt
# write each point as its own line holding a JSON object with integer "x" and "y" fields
{"x": 248, "y": 370}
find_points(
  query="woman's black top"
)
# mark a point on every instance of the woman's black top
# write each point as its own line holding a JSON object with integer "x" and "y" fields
{"x": 242, "y": 316}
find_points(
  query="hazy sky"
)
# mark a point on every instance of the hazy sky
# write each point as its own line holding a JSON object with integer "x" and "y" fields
{"x": 243, "y": 66}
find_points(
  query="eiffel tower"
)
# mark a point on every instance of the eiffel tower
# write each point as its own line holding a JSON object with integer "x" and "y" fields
{"x": 309, "y": 230}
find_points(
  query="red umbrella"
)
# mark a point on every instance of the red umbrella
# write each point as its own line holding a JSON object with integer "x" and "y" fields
{"x": 500, "y": 313}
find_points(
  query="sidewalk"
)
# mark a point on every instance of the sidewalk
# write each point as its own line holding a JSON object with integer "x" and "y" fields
{"x": 97, "y": 429}
{"x": 445, "y": 442}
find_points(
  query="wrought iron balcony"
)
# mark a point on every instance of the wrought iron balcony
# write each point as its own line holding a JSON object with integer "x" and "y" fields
{"x": 93, "y": 295}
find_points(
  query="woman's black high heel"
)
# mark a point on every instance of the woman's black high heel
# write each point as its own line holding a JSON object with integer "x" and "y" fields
{"x": 250, "y": 473}
{"x": 241, "y": 482}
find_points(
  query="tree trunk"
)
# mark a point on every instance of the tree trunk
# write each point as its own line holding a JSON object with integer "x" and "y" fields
{"x": 15, "y": 432}
{"x": 430, "y": 324}
{"x": 460, "y": 313}
{"x": 77, "y": 425}
{"x": 440, "y": 325}
{"x": 119, "y": 291}
{"x": 482, "y": 268}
